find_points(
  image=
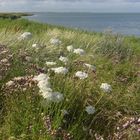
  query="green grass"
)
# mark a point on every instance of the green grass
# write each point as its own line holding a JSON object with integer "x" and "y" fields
{"x": 23, "y": 113}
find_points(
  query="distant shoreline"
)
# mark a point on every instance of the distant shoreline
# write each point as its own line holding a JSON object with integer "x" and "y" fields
{"x": 90, "y": 22}
{"x": 89, "y": 12}
{"x": 124, "y": 24}
{"x": 14, "y": 15}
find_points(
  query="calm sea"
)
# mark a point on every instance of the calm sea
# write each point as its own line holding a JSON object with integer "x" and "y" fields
{"x": 127, "y": 24}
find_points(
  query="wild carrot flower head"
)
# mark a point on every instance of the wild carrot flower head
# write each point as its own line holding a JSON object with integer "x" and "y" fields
{"x": 53, "y": 96}
{"x": 41, "y": 77}
{"x": 60, "y": 70}
{"x": 57, "y": 97}
{"x": 47, "y": 95}
{"x": 45, "y": 89}
{"x": 63, "y": 59}
{"x": 55, "y": 41}
{"x": 90, "y": 109}
{"x": 25, "y": 35}
{"x": 79, "y": 51}
{"x": 70, "y": 48}
{"x": 44, "y": 85}
{"x": 106, "y": 87}
{"x": 81, "y": 75}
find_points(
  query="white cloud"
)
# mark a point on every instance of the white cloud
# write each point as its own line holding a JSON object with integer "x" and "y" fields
{"x": 71, "y": 5}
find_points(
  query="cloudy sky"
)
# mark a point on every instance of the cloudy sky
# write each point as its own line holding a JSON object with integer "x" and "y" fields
{"x": 70, "y": 5}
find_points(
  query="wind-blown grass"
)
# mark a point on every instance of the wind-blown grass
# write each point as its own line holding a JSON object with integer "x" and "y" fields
{"x": 24, "y": 114}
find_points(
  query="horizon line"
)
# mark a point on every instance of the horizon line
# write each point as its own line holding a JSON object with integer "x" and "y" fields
{"x": 70, "y": 12}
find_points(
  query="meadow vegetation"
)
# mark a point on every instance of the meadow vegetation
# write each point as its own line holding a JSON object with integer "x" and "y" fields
{"x": 86, "y": 111}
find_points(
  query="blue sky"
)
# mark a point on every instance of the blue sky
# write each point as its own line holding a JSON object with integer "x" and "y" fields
{"x": 70, "y": 5}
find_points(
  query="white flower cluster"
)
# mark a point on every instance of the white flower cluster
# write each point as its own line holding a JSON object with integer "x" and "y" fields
{"x": 26, "y": 35}
{"x": 81, "y": 75}
{"x": 79, "y": 51}
{"x": 45, "y": 89}
{"x": 90, "y": 109}
{"x": 60, "y": 70}
{"x": 106, "y": 87}
{"x": 63, "y": 59}
{"x": 70, "y": 48}
{"x": 76, "y": 51}
{"x": 55, "y": 41}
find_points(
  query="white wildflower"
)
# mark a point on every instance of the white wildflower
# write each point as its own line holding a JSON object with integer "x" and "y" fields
{"x": 70, "y": 48}
{"x": 60, "y": 70}
{"x": 45, "y": 89}
{"x": 55, "y": 41}
{"x": 106, "y": 87}
{"x": 50, "y": 63}
{"x": 57, "y": 97}
{"x": 26, "y": 35}
{"x": 89, "y": 66}
{"x": 79, "y": 51}
{"x": 47, "y": 95}
{"x": 43, "y": 82}
{"x": 41, "y": 77}
{"x": 63, "y": 59}
{"x": 44, "y": 85}
{"x": 52, "y": 96}
{"x": 90, "y": 109}
{"x": 81, "y": 75}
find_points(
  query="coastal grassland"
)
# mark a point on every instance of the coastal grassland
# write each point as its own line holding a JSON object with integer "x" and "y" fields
{"x": 24, "y": 114}
{"x": 13, "y": 15}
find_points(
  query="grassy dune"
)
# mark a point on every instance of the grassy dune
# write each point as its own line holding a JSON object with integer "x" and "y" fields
{"x": 26, "y": 115}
